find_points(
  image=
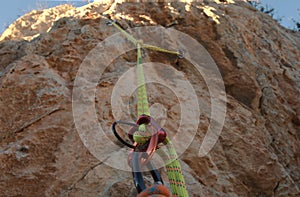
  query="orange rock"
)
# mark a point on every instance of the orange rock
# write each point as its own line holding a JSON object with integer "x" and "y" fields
{"x": 257, "y": 153}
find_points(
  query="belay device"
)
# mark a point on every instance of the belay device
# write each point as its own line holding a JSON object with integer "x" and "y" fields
{"x": 145, "y": 136}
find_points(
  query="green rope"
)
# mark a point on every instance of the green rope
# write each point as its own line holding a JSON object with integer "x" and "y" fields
{"x": 155, "y": 48}
{"x": 143, "y": 105}
{"x": 128, "y": 36}
{"x": 142, "y": 135}
{"x": 175, "y": 176}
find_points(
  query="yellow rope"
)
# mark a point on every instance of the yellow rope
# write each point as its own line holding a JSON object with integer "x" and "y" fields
{"x": 128, "y": 36}
{"x": 143, "y": 105}
{"x": 175, "y": 176}
{"x": 155, "y": 48}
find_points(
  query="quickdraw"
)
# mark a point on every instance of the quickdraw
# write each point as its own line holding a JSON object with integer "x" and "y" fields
{"x": 145, "y": 136}
{"x": 140, "y": 154}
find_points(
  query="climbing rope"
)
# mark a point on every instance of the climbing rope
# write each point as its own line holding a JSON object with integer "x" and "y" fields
{"x": 146, "y": 139}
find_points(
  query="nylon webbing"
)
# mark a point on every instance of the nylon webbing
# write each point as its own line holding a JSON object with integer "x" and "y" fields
{"x": 175, "y": 176}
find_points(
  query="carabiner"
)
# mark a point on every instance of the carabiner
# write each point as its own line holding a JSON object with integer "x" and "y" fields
{"x": 134, "y": 126}
{"x": 138, "y": 174}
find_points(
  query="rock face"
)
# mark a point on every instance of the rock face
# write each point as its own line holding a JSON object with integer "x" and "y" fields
{"x": 257, "y": 153}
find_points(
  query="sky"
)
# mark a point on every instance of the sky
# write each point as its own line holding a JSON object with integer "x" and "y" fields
{"x": 286, "y": 10}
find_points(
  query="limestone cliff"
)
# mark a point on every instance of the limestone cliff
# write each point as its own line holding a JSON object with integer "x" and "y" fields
{"x": 257, "y": 153}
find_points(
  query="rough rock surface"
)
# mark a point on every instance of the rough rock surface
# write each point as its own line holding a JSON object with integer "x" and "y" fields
{"x": 257, "y": 154}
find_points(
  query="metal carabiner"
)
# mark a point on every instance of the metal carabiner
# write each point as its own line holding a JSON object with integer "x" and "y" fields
{"x": 138, "y": 174}
{"x": 134, "y": 126}
{"x": 110, "y": 22}
{"x": 141, "y": 154}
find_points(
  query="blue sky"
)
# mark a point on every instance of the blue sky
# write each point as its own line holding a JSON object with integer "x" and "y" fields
{"x": 286, "y": 10}
{"x": 13, "y": 9}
